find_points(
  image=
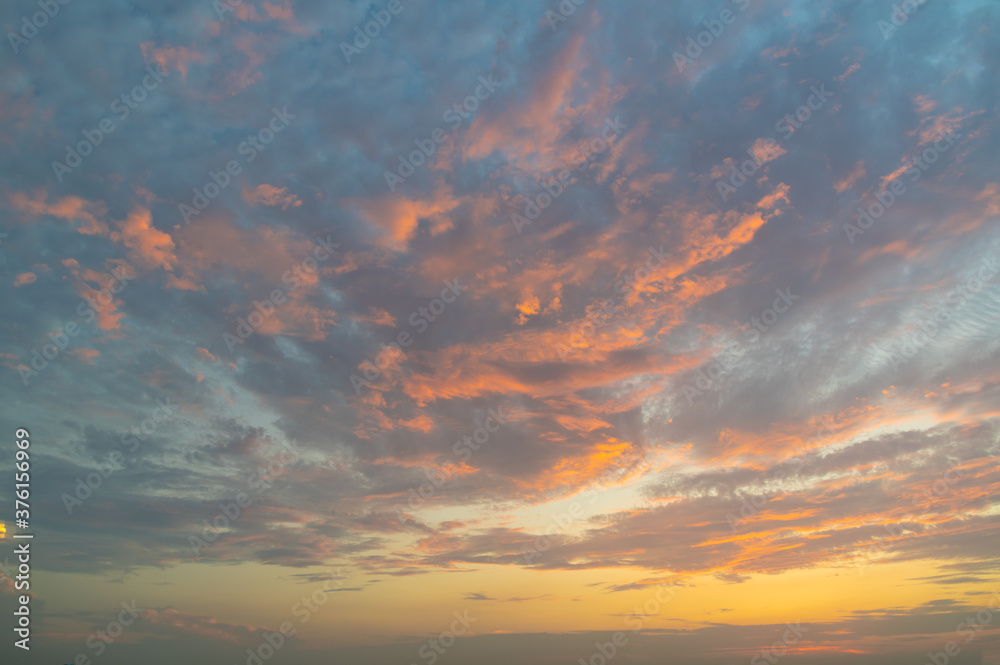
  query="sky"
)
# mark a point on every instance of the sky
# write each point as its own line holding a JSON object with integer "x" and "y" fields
{"x": 513, "y": 331}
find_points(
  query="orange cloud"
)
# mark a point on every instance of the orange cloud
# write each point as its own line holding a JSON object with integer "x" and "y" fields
{"x": 533, "y": 133}
{"x": 151, "y": 247}
{"x": 923, "y": 103}
{"x": 205, "y": 354}
{"x": 101, "y": 299}
{"x": 171, "y": 58}
{"x": 208, "y": 627}
{"x": 69, "y": 208}
{"x": 276, "y": 11}
{"x": 529, "y": 306}
{"x": 148, "y": 246}
{"x": 765, "y": 150}
{"x": 272, "y": 12}
{"x": 420, "y": 423}
{"x": 396, "y": 217}
{"x": 253, "y": 49}
{"x": 270, "y": 195}
{"x": 86, "y": 355}
{"x": 856, "y": 174}
{"x": 375, "y": 317}
{"x": 847, "y": 74}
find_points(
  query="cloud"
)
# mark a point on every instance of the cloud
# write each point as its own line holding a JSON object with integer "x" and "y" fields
{"x": 271, "y": 196}
{"x": 567, "y": 327}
